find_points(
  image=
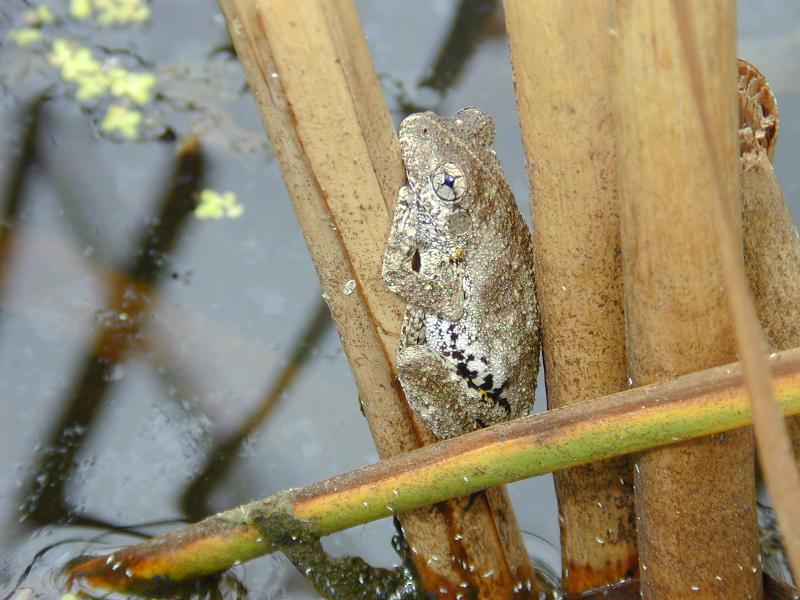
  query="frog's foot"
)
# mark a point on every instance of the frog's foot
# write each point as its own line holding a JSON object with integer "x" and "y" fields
{"x": 440, "y": 396}
{"x": 434, "y": 390}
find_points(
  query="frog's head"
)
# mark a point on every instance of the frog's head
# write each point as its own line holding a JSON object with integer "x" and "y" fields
{"x": 445, "y": 162}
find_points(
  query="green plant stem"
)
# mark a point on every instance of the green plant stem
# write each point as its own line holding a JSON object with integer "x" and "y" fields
{"x": 695, "y": 405}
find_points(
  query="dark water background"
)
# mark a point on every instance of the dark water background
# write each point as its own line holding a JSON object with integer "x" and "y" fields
{"x": 137, "y": 341}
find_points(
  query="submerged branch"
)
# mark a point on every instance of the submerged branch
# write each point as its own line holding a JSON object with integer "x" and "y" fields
{"x": 691, "y": 406}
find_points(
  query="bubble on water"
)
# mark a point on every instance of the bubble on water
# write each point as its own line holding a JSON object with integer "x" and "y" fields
{"x": 115, "y": 372}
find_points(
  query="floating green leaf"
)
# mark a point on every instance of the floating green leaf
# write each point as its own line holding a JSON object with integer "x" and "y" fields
{"x": 122, "y": 120}
{"x": 80, "y": 9}
{"x": 78, "y": 65}
{"x": 75, "y": 61}
{"x": 25, "y": 36}
{"x": 38, "y": 16}
{"x": 214, "y": 205}
{"x": 136, "y": 86}
{"x": 110, "y": 12}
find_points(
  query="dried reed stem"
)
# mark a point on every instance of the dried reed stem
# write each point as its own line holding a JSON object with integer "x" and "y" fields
{"x": 562, "y": 57}
{"x": 695, "y": 502}
{"x": 310, "y": 72}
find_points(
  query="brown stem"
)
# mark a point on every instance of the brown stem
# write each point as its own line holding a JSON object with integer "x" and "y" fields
{"x": 321, "y": 102}
{"x": 695, "y": 502}
{"x": 771, "y": 252}
{"x": 689, "y": 406}
{"x": 563, "y": 64}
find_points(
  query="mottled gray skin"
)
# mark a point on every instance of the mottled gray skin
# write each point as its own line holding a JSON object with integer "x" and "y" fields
{"x": 460, "y": 254}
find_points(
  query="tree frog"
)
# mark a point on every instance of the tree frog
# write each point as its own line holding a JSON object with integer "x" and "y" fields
{"x": 461, "y": 255}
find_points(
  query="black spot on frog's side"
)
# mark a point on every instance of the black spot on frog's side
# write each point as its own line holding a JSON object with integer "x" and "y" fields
{"x": 485, "y": 388}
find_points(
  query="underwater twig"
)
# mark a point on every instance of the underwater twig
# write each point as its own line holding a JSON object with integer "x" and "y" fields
{"x": 130, "y": 299}
{"x": 471, "y": 20}
{"x": 194, "y": 498}
{"x": 12, "y": 197}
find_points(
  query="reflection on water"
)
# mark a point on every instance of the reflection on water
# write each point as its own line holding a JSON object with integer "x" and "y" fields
{"x": 194, "y": 498}
{"x": 155, "y": 366}
{"x": 132, "y": 292}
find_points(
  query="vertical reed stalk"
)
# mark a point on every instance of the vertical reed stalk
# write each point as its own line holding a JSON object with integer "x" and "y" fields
{"x": 310, "y": 72}
{"x": 771, "y": 241}
{"x": 695, "y": 501}
{"x": 562, "y": 57}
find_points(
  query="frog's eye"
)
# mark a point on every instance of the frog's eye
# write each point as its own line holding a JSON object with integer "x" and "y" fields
{"x": 448, "y": 182}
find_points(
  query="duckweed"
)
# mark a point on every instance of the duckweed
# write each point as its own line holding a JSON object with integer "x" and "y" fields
{"x": 110, "y": 12}
{"x": 213, "y": 205}
{"x": 123, "y": 121}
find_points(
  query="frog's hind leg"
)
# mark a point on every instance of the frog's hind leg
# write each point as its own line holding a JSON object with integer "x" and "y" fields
{"x": 436, "y": 391}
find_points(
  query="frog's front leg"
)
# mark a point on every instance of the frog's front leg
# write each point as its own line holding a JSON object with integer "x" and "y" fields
{"x": 439, "y": 289}
{"x": 441, "y": 396}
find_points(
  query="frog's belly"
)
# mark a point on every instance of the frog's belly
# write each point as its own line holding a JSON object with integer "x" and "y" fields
{"x": 460, "y": 344}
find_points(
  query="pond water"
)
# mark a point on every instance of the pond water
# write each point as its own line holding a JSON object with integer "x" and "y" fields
{"x": 140, "y": 338}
